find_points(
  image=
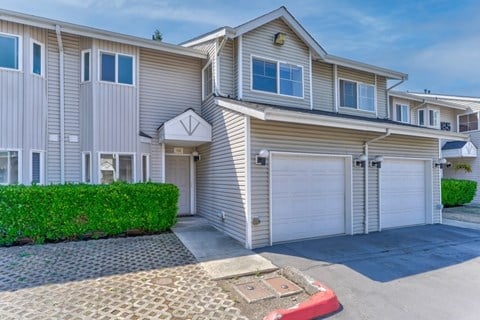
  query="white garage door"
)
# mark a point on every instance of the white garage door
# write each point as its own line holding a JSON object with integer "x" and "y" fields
{"x": 403, "y": 192}
{"x": 308, "y": 196}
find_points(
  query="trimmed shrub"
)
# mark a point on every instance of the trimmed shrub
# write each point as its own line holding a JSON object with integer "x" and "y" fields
{"x": 457, "y": 192}
{"x": 76, "y": 211}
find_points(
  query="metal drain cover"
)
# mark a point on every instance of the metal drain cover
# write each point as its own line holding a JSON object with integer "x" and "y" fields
{"x": 253, "y": 291}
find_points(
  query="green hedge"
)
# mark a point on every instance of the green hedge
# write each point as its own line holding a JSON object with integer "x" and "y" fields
{"x": 457, "y": 192}
{"x": 76, "y": 211}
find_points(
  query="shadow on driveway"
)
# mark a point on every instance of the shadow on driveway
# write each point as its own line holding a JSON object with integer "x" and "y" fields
{"x": 36, "y": 265}
{"x": 383, "y": 256}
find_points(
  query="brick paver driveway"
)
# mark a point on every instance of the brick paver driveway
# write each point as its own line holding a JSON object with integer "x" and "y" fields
{"x": 149, "y": 277}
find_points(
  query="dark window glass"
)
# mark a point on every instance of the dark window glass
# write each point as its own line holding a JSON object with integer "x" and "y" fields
{"x": 348, "y": 94}
{"x": 8, "y": 52}
{"x": 86, "y": 66}
{"x": 125, "y": 69}
{"x": 108, "y": 67}
{"x": 264, "y": 76}
{"x": 37, "y": 59}
{"x": 35, "y": 167}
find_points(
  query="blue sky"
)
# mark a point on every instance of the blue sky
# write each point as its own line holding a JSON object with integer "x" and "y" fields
{"x": 436, "y": 42}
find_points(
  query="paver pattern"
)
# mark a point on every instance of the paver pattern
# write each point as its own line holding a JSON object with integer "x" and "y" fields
{"x": 148, "y": 277}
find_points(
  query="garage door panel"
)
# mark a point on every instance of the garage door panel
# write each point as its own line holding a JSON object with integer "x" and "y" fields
{"x": 403, "y": 193}
{"x": 308, "y": 196}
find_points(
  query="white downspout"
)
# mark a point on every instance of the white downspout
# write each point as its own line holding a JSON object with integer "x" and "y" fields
{"x": 335, "y": 86}
{"x": 62, "y": 104}
{"x": 218, "y": 49}
{"x": 240, "y": 69}
{"x": 387, "y": 133}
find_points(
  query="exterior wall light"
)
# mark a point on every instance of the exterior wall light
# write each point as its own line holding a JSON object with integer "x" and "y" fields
{"x": 360, "y": 161}
{"x": 279, "y": 38}
{"x": 261, "y": 157}
{"x": 196, "y": 156}
{"x": 442, "y": 163}
{"x": 377, "y": 162}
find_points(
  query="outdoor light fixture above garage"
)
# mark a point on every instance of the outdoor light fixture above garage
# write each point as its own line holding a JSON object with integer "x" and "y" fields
{"x": 442, "y": 163}
{"x": 377, "y": 162}
{"x": 360, "y": 161}
{"x": 261, "y": 157}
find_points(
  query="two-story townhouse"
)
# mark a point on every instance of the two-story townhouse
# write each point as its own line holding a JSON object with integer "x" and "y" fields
{"x": 281, "y": 140}
{"x": 303, "y": 143}
{"x": 79, "y": 104}
{"x": 459, "y": 114}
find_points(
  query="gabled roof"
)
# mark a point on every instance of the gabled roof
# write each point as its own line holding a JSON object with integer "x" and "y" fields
{"x": 454, "y": 145}
{"x": 466, "y": 102}
{"x": 332, "y": 119}
{"x": 427, "y": 99}
{"x": 67, "y": 27}
{"x": 318, "y": 52}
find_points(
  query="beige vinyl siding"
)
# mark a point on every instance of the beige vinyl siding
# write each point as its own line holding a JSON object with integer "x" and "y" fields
{"x": 115, "y": 106}
{"x": 226, "y": 69}
{"x": 358, "y": 76}
{"x": 209, "y": 47}
{"x": 11, "y": 97}
{"x": 156, "y": 163}
{"x": 323, "y": 86}
{"x": 382, "y": 101}
{"x": 259, "y": 43}
{"x": 473, "y": 162}
{"x": 221, "y": 171}
{"x": 415, "y": 148}
{"x": 277, "y": 136}
{"x": 235, "y": 68}
{"x": 53, "y": 123}
{"x": 168, "y": 86}
{"x": 73, "y": 159}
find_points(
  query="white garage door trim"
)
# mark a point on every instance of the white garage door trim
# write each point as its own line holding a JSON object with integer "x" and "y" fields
{"x": 428, "y": 191}
{"x": 348, "y": 186}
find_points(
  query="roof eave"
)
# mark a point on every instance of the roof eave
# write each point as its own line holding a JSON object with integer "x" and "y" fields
{"x": 50, "y": 24}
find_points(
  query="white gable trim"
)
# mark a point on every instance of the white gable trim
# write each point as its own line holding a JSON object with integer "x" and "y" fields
{"x": 186, "y": 129}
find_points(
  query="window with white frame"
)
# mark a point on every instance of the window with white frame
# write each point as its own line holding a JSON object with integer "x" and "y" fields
{"x": 116, "y": 167}
{"x": 86, "y": 167}
{"x": 277, "y": 77}
{"x": 9, "y": 167}
{"x": 36, "y": 173}
{"x": 10, "y": 51}
{"x": 428, "y": 118}
{"x": 145, "y": 167}
{"x": 402, "y": 113}
{"x": 207, "y": 78}
{"x": 116, "y": 68}
{"x": 86, "y": 65}
{"x": 468, "y": 122}
{"x": 357, "y": 95}
{"x": 37, "y": 58}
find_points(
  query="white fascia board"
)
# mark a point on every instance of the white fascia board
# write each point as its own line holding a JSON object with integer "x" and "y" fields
{"x": 49, "y": 24}
{"x": 224, "y": 32}
{"x": 361, "y": 125}
{"x": 408, "y": 96}
{"x": 241, "y": 109}
{"x": 390, "y": 74}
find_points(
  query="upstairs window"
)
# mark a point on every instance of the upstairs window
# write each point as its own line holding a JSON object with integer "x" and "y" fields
{"x": 402, "y": 113}
{"x": 428, "y": 118}
{"x": 207, "y": 78}
{"x": 37, "y": 58}
{"x": 468, "y": 122}
{"x": 357, "y": 95}
{"x": 9, "y": 167}
{"x": 9, "y": 52}
{"x": 277, "y": 77}
{"x": 116, "y": 68}
{"x": 86, "y": 54}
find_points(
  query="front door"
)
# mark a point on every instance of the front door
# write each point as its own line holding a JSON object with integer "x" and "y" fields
{"x": 177, "y": 172}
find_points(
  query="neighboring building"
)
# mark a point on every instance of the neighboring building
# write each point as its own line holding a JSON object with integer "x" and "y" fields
{"x": 457, "y": 114}
{"x": 267, "y": 135}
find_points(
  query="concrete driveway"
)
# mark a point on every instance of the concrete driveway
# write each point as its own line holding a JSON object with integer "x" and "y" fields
{"x": 425, "y": 272}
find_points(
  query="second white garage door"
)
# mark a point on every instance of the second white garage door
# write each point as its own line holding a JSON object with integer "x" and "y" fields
{"x": 404, "y": 192}
{"x": 310, "y": 196}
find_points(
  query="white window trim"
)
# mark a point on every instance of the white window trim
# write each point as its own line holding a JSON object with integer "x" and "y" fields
{"x": 82, "y": 79}
{"x": 358, "y": 96}
{"x": 148, "y": 167}
{"x": 116, "y": 54}
{"x": 466, "y": 114}
{"x": 203, "y": 80}
{"x": 408, "y": 112}
{"x": 42, "y": 166}
{"x": 42, "y": 58}
{"x": 117, "y": 164}
{"x": 20, "y": 164}
{"x": 277, "y": 62}
{"x": 426, "y": 118}
{"x": 84, "y": 180}
{"x": 20, "y": 51}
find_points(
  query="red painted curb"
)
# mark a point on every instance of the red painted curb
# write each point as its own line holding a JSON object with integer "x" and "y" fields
{"x": 320, "y": 304}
